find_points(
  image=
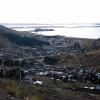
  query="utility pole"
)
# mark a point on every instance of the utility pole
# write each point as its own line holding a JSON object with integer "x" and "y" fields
{"x": 3, "y": 67}
{"x": 20, "y": 78}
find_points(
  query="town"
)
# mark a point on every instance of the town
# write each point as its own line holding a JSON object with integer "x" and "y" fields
{"x": 41, "y": 61}
{"x": 56, "y": 62}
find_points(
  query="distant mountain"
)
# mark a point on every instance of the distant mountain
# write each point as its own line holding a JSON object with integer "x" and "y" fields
{"x": 17, "y": 38}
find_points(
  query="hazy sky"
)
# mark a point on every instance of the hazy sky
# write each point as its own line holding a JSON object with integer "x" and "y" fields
{"x": 49, "y": 11}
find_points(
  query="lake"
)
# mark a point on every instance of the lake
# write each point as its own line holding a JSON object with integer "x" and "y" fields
{"x": 80, "y": 30}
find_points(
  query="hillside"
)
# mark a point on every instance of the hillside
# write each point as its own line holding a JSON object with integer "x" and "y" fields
{"x": 97, "y": 44}
{"x": 10, "y": 38}
{"x": 90, "y": 59}
{"x": 16, "y": 38}
{"x": 4, "y": 42}
{"x": 29, "y": 39}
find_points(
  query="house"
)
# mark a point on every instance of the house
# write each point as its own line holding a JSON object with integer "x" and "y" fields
{"x": 37, "y": 82}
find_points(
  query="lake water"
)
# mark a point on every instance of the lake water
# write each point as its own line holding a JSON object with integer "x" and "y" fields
{"x": 69, "y": 30}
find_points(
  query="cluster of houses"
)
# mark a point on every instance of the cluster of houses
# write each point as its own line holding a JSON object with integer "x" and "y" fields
{"x": 76, "y": 75}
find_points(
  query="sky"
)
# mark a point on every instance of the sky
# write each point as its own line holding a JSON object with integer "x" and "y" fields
{"x": 49, "y": 11}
